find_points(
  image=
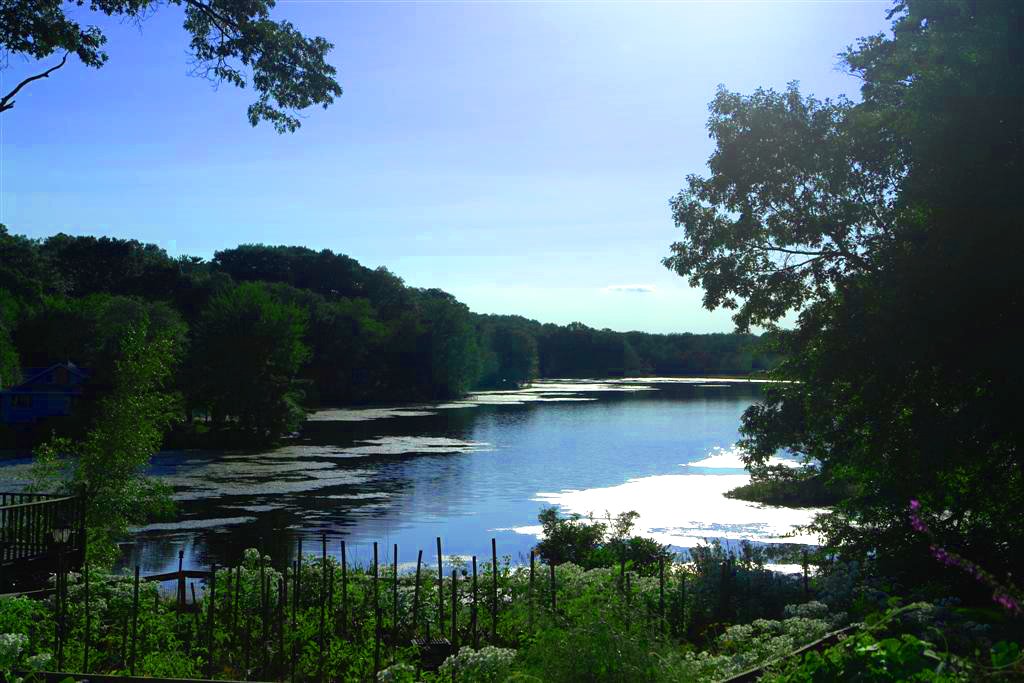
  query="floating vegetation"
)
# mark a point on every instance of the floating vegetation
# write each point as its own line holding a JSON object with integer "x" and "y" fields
{"x": 262, "y": 475}
{"x": 365, "y": 414}
{"x": 190, "y": 524}
{"x": 400, "y": 445}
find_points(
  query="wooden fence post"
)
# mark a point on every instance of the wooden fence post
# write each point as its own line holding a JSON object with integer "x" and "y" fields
{"x": 295, "y": 624}
{"x": 473, "y": 610}
{"x": 440, "y": 590}
{"x": 494, "y": 592}
{"x": 181, "y": 580}
{"x": 195, "y": 604}
{"x": 661, "y": 594}
{"x": 394, "y": 605}
{"x": 344, "y": 592}
{"x": 323, "y": 605}
{"x": 455, "y": 597}
{"x": 234, "y": 606}
{"x": 88, "y": 622}
{"x": 265, "y": 616}
{"x": 332, "y": 630}
{"x": 211, "y": 614}
{"x": 376, "y": 611}
{"x": 282, "y": 598}
{"x": 529, "y": 593}
{"x": 416, "y": 593}
{"x": 58, "y": 599}
{"x": 135, "y": 619}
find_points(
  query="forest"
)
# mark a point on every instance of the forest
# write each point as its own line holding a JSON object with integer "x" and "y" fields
{"x": 261, "y": 333}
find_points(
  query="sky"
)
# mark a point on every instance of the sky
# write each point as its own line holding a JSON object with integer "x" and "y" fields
{"x": 520, "y": 155}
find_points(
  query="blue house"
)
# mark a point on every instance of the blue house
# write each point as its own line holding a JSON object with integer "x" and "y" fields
{"x": 43, "y": 393}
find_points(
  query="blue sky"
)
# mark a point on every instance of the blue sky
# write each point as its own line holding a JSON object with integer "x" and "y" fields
{"x": 520, "y": 155}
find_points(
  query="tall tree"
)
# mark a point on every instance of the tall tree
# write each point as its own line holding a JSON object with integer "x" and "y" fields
{"x": 9, "y": 365}
{"x": 248, "y": 351}
{"x": 891, "y": 225}
{"x": 448, "y": 359}
{"x": 231, "y": 41}
{"x": 107, "y": 467}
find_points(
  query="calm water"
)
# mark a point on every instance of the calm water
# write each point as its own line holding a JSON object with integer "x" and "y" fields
{"x": 469, "y": 471}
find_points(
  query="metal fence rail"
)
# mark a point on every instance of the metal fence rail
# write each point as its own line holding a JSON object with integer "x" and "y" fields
{"x": 28, "y": 522}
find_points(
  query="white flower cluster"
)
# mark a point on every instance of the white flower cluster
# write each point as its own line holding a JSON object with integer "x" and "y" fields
{"x": 744, "y": 646}
{"x": 397, "y": 673}
{"x": 479, "y": 666}
{"x": 40, "y": 662}
{"x": 11, "y": 645}
{"x": 808, "y": 610}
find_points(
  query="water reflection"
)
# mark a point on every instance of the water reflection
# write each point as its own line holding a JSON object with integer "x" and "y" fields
{"x": 466, "y": 471}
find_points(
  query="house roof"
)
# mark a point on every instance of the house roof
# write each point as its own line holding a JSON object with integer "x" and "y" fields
{"x": 31, "y": 375}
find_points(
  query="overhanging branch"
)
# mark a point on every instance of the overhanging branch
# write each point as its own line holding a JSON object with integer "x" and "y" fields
{"x": 8, "y": 100}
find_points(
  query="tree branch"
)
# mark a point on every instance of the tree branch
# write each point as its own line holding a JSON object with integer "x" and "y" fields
{"x": 216, "y": 18}
{"x": 8, "y": 100}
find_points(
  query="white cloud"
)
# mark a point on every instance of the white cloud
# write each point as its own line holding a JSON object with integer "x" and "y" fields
{"x": 633, "y": 289}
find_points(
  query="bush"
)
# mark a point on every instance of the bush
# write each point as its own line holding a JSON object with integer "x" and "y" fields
{"x": 591, "y": 544}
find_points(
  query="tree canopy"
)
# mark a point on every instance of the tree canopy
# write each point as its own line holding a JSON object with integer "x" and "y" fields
{"x": 231, "y": 41}
{"x": 890, "y": 226}
{"x": 261, "y": 330}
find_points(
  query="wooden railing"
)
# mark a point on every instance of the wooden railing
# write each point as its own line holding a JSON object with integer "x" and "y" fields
{"x": 28, "y": 522}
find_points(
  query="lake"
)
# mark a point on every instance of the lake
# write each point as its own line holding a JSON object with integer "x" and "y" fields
{"x": 471, "y": 470}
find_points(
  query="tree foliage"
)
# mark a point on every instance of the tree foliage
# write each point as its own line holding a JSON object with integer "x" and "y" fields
{"x": 107, "y": 466}
{"x": 231, "y": 41}
{"x": 590, "y": 543}
{"x": 368, "y": 336}
{"x": 890, "y": 225}
{"x": 9, "y": 362}
{"x": 249, "y": 350}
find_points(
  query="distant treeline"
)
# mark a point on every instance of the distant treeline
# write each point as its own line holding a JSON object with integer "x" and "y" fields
{"x": 262, "y": 330}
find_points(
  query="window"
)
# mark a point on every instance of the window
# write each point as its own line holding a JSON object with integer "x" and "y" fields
{"x": 21, "y": 401}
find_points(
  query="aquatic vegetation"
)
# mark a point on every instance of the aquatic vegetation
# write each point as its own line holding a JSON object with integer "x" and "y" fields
{"x": 399, "y": 445}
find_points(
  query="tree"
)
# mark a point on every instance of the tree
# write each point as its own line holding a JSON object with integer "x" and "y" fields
{"x": 890, "y": 225}
{"x": 447, "y": 361}
{"x": 797, "y": 202}
{"x": 91, "y": 265}
{"x": 23, "y": 271}
{"x": 107, "y": 467}
{"x": 9, "y": 367}
{"x": 511, "y": 357}
{"x": 231, "y": 41}
{"x": 248, "y": 350}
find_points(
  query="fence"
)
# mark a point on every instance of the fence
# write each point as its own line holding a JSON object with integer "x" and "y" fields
{"x": 36, "y": 525}
{"x": 260, "y": 623}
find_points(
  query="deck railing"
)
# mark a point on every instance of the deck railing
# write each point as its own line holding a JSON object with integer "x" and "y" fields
{"x": 32, "y": 525}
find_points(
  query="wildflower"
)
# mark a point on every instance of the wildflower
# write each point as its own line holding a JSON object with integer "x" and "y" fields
{"x": 1000, "y": 595}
